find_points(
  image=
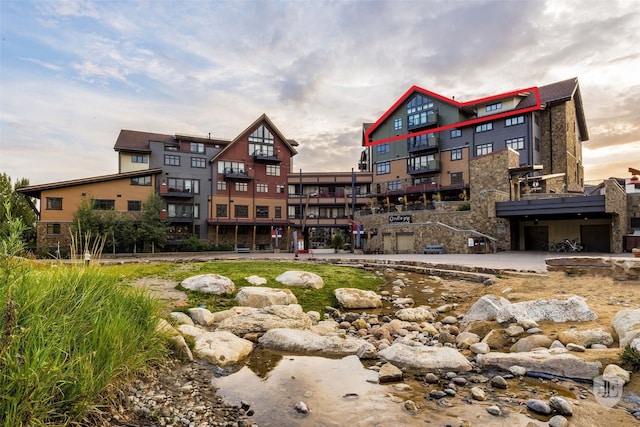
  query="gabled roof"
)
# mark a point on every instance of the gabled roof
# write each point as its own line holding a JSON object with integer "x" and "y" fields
{"x": 35, "y": 190}
{"x": 289, "y": 143}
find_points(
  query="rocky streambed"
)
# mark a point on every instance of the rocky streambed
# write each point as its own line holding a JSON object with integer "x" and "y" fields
{"x": 522, "y": 351}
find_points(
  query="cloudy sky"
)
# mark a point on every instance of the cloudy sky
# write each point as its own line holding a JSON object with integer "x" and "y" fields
{"x": 74, "y": 72}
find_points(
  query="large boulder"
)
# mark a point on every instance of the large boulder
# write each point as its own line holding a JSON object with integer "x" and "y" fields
{"x": 531, "y": 342}
{"x": 263, "y": 319}
{"x": 209, "y": 283}
{"x": 304, "y": 341}
{"x": 221, "y": 348}
{"x": 201, "y": 316}
{"x": 301, "y": 279}
{"x": 573, "y": 309}
{"x": 485, "y": 308}
{"x": 560, "y": 364}
{"x": 586, "y": 338}
{"x": 425, "y": 358}
{"x": 219, "y": 316}
{"x": 351, "y": 298}
{"x": 256, "y": 280}
{"x": 258, "y": 297}
{"x": 626, "y": 323}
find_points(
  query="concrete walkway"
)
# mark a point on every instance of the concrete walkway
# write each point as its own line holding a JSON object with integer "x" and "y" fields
{"x": 518, "y": 261}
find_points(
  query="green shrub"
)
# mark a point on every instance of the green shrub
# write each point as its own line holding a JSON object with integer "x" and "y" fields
{"x": 466, "y": 206}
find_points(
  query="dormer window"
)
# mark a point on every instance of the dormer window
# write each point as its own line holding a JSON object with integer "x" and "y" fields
{"x": 493, "y": 107}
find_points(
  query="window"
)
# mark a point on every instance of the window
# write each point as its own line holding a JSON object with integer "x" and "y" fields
{"x": 198, "y": 162}
{"x": 420, "y": 111}
{"x": 53, "y": 228}
{"x": 262, "y": 188}
{"x": 104, "y": 204}
{"x": 180, "y": 185}
{"x": 483, "y": 149}
{"x": 516, "y": 143}
{"x": 278, "y": 211}
{"x": 172, "y": 146}
{"x": 141, "y": 180}
{"x": 242, "y": 211}
{"x": 456, "y": 154}
{"x": 382, "y": 148}
{"x": 139, "y": 158}
{"x": 456, "y": 133}
{"x": 484, "y": 127}
{"x": 197, "y": 147}
{"x": 261, "y": 142}
{"x": 134, "y": 205}
{"x": 54, "y": 203}
{"x": 512, "y": 121}
{"x": 394, "y": 186}
{"x": 171, "y": 160}
{"x": 456, "y": 178}
{"x": 221, "y": 185}
{"x": 183, "y": 210}
{"x": 493, "y": 107}
{"x": 221, "y": 210}
{"x": 273, "y": 170}
{"x": 230, "y": 167}
{"x": 427, "y": 162}
{"x": 383, "y": 168}
{"x": 280, "y": 189}
{"x": 262, "y": 211}
{"x": 241, "y": 186}
{"x": 397, "y": 123}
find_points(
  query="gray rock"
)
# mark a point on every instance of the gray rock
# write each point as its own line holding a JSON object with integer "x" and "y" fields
{"x": 478, "y": 394}
{"x": 415, "y": 314}
{"x": 485, "y": 308}
{"x": 587, "y": 337}
{"x": 209, "y": 283}
{"x": 514, "y": 330}
{"x": 258, "y": 297}
{"x": 494, "y": 410}
{"x": 480, "y": 348}
{"x": 301, "y": 408}
{"x": 304, "y": 341}
{"x": 367, "y": 351}
{"x": 263, "y": 319}
{"x": 561, "y": 365}
{"x": 539, "y": 406}
{"x": 256, "y": 280}
{"x": 561, "y": 406}
{"x": 499, "y": 382}
{"x": 518, "y": 371}
{"x": 528, "y": 323}
{"x": 450, "y": 320}
{"x": 626, "y": 323}
{"x": 437, "y": 394}
{"x": 558, "y": 421}
{"x": 221, "y": 348}
{"x": 616, "y": 372}
{"x": 301, "y": 279}
{"x": 464, "y": 340}
{"x": 531, "y": 342}
{"x": 351, "y": 298}
{"x": 425, "y": 357}
{"x": 181, "y": 318}
{"x": 573, "y": 309}
{"x": 389, "y": 373}
{"x": 201, "y": 316}
{"x": 575, "y": 347}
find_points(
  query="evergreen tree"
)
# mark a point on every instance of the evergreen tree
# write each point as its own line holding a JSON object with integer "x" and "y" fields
{"x": 153, "y": 229}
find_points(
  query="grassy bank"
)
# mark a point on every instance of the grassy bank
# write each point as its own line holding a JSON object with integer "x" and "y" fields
{"x": 68, "y": 335}
{"x": 310, "y": 299}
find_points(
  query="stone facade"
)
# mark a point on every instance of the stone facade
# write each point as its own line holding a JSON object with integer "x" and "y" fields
{"x": 615, "y": 203}
{"x": 49, "y": 242}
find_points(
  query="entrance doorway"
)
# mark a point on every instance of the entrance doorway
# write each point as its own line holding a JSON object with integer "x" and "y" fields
{"x": 536, "y": 238}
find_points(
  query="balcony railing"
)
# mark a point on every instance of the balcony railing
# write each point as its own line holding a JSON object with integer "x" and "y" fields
{"x": 241, "y": 175}
{"x": 430, "y": 167}
{"x": 265, "y": 157}
{"x": 422, "y": 119}
{"x": 422, "y": 143}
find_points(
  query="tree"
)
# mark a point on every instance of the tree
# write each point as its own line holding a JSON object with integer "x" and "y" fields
{"x": 153, "y": 229}
{"x": 16, "y": 206}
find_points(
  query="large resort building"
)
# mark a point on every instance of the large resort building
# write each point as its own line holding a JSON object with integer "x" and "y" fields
{"x": 503, "y": 172}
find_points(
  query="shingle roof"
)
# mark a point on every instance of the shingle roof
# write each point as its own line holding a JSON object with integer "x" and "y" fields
{"x": 132, "y": 140}
{"x": 554, "y": 92}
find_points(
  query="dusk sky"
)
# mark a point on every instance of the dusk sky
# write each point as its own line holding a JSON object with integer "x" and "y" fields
{"x": 73, "y": 73}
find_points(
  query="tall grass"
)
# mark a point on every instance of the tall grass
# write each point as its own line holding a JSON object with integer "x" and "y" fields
{"x": 67, "y": 335}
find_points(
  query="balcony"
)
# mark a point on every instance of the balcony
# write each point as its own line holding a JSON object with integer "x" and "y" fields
{"x": 422, "y": 119}
{"x": 422, "y": 143}
{"x": 236, "y": 175}
{"x": 265, "y": 157}
{"x": 430, "y": 167}
{"x": 183, "y": 193}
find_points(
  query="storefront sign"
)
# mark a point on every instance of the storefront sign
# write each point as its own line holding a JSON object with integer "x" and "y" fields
{"x": 400, "y": 219}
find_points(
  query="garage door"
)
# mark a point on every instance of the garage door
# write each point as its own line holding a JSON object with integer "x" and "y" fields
{"x": 596, "y": 238}
{"x": 536, "y": 238}
{"x": 387, "y": 246}
{"x": 405, "y": 243}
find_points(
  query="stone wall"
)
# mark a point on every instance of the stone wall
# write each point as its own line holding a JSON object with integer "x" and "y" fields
{"x": 633, "y": 209}
{"x": 48, "y": 242}
{"x": 615, "y": 203}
